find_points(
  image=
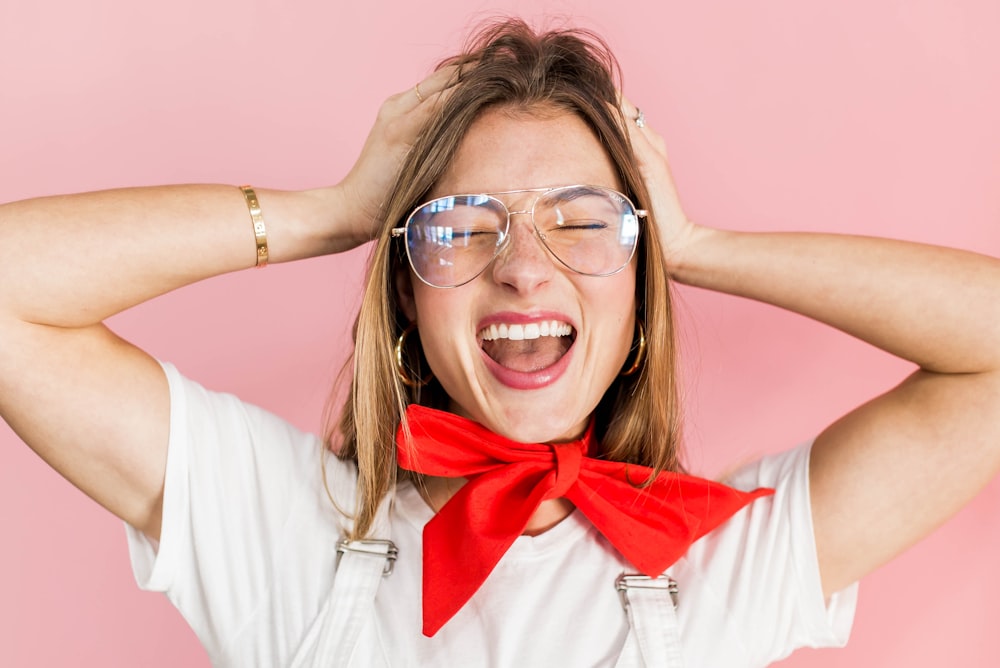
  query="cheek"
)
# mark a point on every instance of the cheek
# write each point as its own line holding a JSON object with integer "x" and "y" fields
{"x": 620, "y": 296}
{"x": 441, "y": 317}
{"x": 624, "y": 337}
{"x": 625, "y": 297}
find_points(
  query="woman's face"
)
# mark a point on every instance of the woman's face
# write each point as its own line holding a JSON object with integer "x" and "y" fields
{"x": 541, "y": 389}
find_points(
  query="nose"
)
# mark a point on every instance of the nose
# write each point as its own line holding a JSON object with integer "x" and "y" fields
{"x": 524, "y": 264}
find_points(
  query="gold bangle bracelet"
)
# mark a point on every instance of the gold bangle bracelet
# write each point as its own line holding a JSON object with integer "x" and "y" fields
{"x": 259, "y": 231}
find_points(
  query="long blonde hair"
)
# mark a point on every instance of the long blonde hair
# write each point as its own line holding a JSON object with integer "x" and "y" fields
{"x": 508, "y": 64}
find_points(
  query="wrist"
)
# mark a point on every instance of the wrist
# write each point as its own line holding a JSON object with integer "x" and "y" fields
{"x": 308, "y": 223}
{"x": 698, "y": 254}
{"x": 684, "y": 249}
{"x": 342, "y": 223}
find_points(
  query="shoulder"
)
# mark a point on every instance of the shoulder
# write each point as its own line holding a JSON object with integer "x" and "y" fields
{"x": 209, "y": 425}
{"x": 225, "y": 453}
{"x": 781, "y": 521}
{"x": 758, "y": 575}
{"x": 247, "y": 519}
{"x": 785, "y": 472}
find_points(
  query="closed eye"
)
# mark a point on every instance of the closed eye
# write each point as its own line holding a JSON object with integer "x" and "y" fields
{"x": 579, "y": 224}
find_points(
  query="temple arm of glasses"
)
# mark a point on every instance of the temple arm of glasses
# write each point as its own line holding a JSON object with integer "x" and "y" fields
{"x": 398, "y": 232}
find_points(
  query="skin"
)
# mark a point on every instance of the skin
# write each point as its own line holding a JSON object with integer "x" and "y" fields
{"x": 537, "y": 148}
{"x": 96, "y": 407}
{"x": 537, "y": 151}
{"x": 888, "y": 473}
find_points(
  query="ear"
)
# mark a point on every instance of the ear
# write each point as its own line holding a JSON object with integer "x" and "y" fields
{"x": 404, "y": 293}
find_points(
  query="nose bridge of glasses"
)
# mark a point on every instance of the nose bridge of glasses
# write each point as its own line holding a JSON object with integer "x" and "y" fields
{"x": 523, "y": 237}
{"x": 528, "y": 202}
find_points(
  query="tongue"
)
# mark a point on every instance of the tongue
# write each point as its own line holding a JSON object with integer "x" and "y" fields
{"x": 527, "y": 356}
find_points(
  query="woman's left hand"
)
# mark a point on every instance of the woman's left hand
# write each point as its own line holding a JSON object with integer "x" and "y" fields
{"x": 886, "y": 474}
{"x": 676, "y": 231}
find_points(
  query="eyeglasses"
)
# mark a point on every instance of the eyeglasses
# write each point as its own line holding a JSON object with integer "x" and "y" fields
{"x": 590, "y": 229}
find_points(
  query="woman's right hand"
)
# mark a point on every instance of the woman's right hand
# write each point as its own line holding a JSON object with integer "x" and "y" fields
{"x": 400, "y": 119}
{"x": 95, "y": 407}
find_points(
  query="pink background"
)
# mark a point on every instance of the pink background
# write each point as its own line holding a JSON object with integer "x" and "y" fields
{"x": 858, "y": 116}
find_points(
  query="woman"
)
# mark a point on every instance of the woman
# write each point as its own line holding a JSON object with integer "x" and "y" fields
{"x": 228, "y": 503}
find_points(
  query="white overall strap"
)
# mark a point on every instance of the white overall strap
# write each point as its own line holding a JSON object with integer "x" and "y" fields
{"x": 654, "y": 639}
{"x": 333, "y": 635}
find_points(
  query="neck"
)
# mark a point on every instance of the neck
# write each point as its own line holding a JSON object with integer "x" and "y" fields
{"x": 438, "y": 491}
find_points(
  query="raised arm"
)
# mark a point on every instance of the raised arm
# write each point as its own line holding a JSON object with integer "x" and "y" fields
{"x": 888, "y": 473}
{"x": 95, "y": 407}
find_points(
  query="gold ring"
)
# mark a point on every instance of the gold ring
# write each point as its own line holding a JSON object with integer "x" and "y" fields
{"x": 416, "y": 89}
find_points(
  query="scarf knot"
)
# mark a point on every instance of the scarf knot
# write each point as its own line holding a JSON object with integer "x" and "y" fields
{"x": 568, "y": 459}
{"x": 652, "y": 526}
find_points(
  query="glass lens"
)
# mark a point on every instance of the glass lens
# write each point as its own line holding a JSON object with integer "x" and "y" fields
{"x": 450, "y": 240}
{"x": 589, "y": 229}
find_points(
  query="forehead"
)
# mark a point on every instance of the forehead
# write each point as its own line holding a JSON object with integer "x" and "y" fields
{"x": 506, "y": 150}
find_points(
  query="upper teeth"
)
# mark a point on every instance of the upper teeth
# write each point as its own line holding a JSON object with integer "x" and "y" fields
{"x": 532, "y": 330}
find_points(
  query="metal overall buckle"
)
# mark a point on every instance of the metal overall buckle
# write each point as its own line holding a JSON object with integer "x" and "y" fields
{"x": 662, "y": 582}
{"x": 368, "y": 547}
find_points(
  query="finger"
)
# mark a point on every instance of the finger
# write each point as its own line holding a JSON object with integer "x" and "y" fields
{"x": 643, "y": 135}
{"x": 629, "y": 110}
{"x": 635, "y": 117}
{"x": 654, "y": 138}
{"x": 412, "y": 122}
{"x": 440, "y": 80}
{"x": 423, "y": 91}
{"x": 402, "y": 115}
{"x": 434, "y": 90}
{"x": 651, "y": 157}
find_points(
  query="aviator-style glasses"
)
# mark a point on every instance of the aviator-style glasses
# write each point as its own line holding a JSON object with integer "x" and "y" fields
{"x": 590, "y": 229}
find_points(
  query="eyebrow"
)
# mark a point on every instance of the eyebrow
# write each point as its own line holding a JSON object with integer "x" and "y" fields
{"x": 570, "y": 193}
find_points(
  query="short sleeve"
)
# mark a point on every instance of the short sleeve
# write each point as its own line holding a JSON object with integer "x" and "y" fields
{"x": 237, "y": 477}
{"x": 762, "y": 567}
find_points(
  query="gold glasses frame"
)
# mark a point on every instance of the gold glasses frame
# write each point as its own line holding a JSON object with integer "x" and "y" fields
{"x": 502, "y": 243}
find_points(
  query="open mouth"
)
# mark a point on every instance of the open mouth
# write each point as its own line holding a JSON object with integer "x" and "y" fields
{"x": 529, "y": 347}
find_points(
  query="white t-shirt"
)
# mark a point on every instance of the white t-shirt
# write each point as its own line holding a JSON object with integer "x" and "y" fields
{"x": 249, "y": 535}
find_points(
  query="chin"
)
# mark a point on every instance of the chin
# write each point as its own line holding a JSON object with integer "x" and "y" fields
{"x": 525, "y": 416}
{"x": 530, "y": 427}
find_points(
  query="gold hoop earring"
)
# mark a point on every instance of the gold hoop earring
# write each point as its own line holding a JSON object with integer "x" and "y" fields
{"x": 640, "y": 354}
{"x": 401, "y": 367}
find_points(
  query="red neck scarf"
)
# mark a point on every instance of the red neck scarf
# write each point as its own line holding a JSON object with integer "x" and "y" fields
{"x": 651, "y": 526}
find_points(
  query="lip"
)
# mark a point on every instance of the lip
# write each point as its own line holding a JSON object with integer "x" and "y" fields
{"x": 521, "y": 380}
